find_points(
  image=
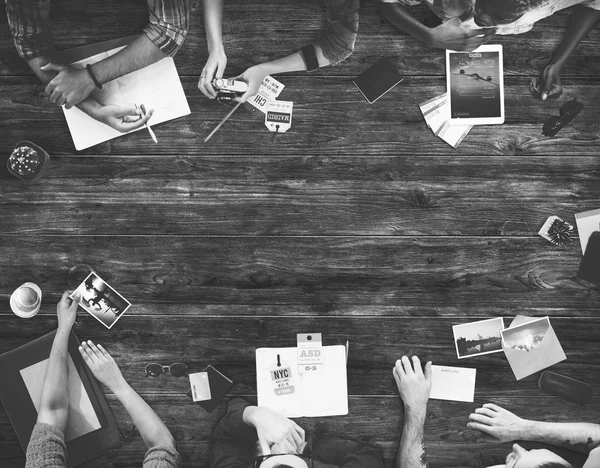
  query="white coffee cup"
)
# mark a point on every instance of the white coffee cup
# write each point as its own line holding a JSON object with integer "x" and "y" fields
{"x": 25, "y": 302}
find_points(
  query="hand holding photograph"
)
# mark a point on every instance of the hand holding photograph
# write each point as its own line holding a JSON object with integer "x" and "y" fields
{"x": 100, "y": 300}
{"x": 478, "y": 338}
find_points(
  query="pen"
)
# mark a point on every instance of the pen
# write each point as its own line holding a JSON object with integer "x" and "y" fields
{"x": 148, "y": 126}
{"x": 222, "y": 122}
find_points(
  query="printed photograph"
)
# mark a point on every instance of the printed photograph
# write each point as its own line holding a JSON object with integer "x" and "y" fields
{"x": 100, "y": 300}
{"x": 526, "y": 337}
{"x": 478, "y": 338}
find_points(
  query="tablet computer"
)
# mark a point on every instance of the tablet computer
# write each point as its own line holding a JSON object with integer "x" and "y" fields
{"x": 475, "y": 85}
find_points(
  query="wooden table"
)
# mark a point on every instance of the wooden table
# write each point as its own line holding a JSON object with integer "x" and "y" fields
{"x": 357, "y": 223}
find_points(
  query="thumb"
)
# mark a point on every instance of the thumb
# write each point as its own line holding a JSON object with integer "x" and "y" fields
{"x": 264, "y": 447}
{"x": 131, "y": 111}
{"x": 428, "y": 371}
{"x": 52, "y": 67}
{"x": 220, "y": 70}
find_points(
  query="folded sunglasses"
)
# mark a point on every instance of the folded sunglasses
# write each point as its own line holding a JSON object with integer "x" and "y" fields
{"x": 568, "y": 112}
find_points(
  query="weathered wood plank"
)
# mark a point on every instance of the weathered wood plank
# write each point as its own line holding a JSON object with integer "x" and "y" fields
{"x": 330, "y": 118}
{"x": 300, "y": 196}
{"x": 229, "y": 343}
{"x": 254, "y": 31}
{"x": 463, "y": 274}
{"x": 448, "y": 442}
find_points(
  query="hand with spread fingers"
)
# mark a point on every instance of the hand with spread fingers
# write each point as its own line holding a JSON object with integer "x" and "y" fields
{"x": 497, "y": 424}
{"x": 276, "y": 433}
{"x": 102, "y": 365}
{"x": 548, "y": 85}
{"x": 413, "y": 384}
{"x": 70, "y": 86}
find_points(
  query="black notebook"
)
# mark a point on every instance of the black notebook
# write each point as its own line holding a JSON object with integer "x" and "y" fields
{"x": 219, "y": 386}
{"x": 91, "y": 430}
{"x": 377, "y": 80}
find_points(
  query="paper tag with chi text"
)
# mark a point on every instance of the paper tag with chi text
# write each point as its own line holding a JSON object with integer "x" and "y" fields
{"x": 279, "y": 116}
{"x": 281, "y": 378}
{"x": 268, "y": 91}
{"x": 310, "y": 352}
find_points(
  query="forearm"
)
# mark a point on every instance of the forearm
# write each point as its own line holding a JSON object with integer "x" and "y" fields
{"x": 411, "y": 453}
{"x": 291, "y": 63}
{"x": 54, "y": 403}
{"x": 213, "y": 16}
{"x": 582, "y": 437}
{"x": 152, "y": 429}
{"x": 36, "y": 63}
{"x": 139, "y": 54}
{"x": 400, "y": 17}
{"x": 582, "y": 20}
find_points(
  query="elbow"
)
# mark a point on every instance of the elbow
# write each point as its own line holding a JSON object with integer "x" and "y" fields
{"x": 164, "y": 440}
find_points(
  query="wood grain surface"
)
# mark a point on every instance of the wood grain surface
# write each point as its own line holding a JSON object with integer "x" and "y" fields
{"x": 357, "y": 223}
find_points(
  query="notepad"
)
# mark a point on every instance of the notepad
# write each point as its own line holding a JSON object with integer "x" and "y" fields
{"x": 377, "y": 80}
{"x": 453, "y": 383}
{"x": 314, "y": 394}
{"x": 157, "y": 86}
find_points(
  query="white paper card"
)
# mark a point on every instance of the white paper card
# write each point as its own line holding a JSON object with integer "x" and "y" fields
{"x": 82, "y": 417}
{"x": 200, "y": 386}
{"x": 453, "y": 383}
{"x": 157, "y": 86}
{"x": 268, "y": 91}
{"x": 587, "y": 223}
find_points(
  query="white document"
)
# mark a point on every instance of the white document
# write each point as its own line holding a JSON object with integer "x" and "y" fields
{"x": 82, "y": 417}
{"x": 315, "y": 394}
{"x": 587, "y": 223}
{"x": 453, "y": 383}
{"x": 157, "y": 86}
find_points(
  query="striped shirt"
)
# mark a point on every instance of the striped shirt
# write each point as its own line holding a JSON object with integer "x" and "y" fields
{"x": 29, "y": 22}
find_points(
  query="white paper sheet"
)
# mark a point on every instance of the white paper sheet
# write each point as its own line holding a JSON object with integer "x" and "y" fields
{"x": 157, "y": 86}
{"x": 82, "y": 417}
{"x": 587, "y": 223}
{"x": 453, "y": 383}
{"x": 315, "y": 394}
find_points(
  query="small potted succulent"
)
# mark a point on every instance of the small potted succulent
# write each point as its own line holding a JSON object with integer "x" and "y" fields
{"x": 27, "y": 161}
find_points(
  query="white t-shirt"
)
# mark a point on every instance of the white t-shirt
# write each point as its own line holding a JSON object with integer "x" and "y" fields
{"x": 447, "y": 9}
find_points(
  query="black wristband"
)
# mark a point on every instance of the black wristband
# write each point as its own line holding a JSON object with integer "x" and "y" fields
{"x": 88, "y": 67}
{"x": 310, "y": 57}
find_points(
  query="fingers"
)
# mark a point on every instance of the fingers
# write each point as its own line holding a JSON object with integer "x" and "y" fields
{"x": 220, "y": 69}
{"x": 534, "y": 87}
{"x": 264, "y": 446}
{"x": 104, "y": 352}
{"x": 300, "y": 432}
{"x": 86, "y": 357}
{"x": 297, "y": 439}
{"x": 205, "y": 84}
{"x": 428, "y": 370}
{"x": 486, "y": 412}
{"x": 417, "y": 365}
{"x": 555, "y": 92}
{"x": 90, "y": 349}
{"x": 479, "y": 427}
{"x": 406, "y": 365}
{"x": 52, "y": 67}
{"x": 486, "y": 32}
{"x": 493, "y": 407}
{"x": 129, "y": 126}
{"x": 480, "y": 418}
{"x": 65, "y": 297}
{"x": 131, "y": 111}
{"x": 244, "y": 97}
{"x": 396, "y": 372}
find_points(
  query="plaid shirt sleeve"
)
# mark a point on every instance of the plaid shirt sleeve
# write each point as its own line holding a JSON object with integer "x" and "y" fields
{"x": 168, "y": 24}
{"x": 29, "y": 23}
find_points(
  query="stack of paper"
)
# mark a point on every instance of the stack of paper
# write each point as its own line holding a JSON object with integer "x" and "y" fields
{"x": 435, "y": 111}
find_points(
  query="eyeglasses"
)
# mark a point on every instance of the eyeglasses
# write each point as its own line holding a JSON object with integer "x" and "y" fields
{"x": 307, "y": 458}
{"x": 568, "y": 112}
{"x": 177, "y": 369}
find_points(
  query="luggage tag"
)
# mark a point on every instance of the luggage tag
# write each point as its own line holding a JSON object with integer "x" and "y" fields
{"x": 310, "y": 353}
{"x": 279, "y": 116}
{"x": 268, "y": 91}
{"x": 281, "y": 377}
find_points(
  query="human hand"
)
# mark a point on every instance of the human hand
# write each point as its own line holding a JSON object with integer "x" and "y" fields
{"x": 497, "y": 424}
{"x": 214, "y": 68}
{"x": 254, "y": 76}
{"x": 414, "y": 385}
{"x": 102, "y": 365}
{"x": 451, "y": 35}
{"x": 66, "y": 310}
{"x": 547, "y": 86}
{"x": 273, "y": 429}
{"x": 70, "y": 86}
{"x": 122, "y": 119}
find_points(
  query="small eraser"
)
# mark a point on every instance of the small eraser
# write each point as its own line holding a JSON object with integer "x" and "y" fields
{"x": 200, "y": 386}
